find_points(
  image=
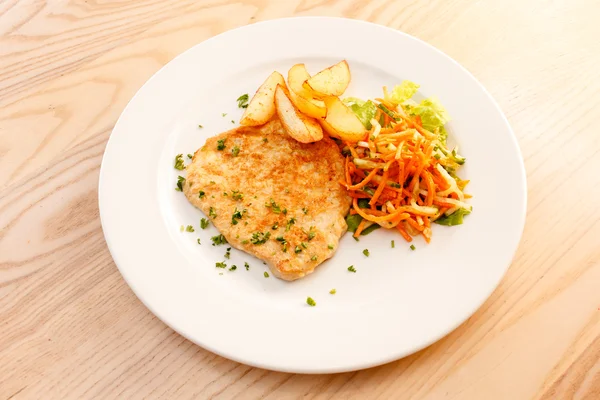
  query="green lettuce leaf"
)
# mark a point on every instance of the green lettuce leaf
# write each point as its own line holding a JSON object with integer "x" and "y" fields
{"x": 363, "y": 203}
{"x": 433, "y": 116}
{"x": 456, "y": 218}
{"x": 353, "y": 221}
{"x": 404, "y": 91}
{"x": 364, "y": 110}
{"x": 370, "y": 229}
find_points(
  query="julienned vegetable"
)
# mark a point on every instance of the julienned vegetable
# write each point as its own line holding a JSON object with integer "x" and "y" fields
{"x": 402, "y": 175}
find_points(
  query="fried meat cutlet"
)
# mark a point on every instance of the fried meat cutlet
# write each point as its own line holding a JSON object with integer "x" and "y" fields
{"x": 272, "y": 196}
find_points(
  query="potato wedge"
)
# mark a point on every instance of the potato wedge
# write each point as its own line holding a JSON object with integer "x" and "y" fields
{"x": 329, "y": 129}
{"x": 302, "y": 128}
{"x": 297, "y": 75}
{"x": 313, "y": 108}
{"x": 332, "y": 81}
{"x": 343, "y": 121}
{"x": 262, "y": 106}
{"x": 301, "y": 97}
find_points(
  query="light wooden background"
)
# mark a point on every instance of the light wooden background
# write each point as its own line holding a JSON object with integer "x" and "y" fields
{"x": 71, "y": 328}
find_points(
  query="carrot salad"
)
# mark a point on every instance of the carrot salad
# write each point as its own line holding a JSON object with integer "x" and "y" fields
{"x": 402, "y": 176}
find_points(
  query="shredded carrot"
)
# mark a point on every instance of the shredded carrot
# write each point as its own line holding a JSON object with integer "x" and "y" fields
{"x": 360, "y": 228}
{"x": 443, "y": 204}
{"x": 364, "y": 181}
{"x": 414, "y": 224}
{"x": 399, "y": 175}
{"x": 352, "y": 150}
{"x": 404, "y": 234}
{"x": 380, "y": 188}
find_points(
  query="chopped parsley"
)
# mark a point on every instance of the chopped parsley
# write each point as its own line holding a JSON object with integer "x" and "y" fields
{"x": 330, "y": 247}
{"x": 235, "y": 151}
{"x": 289, "y": 224}
{"x": 273, "y": 206}
{"x": 181, "y": 228}
{"x": 260, "y": 237}
{"x": 298, "y": 249}
{"x": 225, "y": 194}
{"x": 311, "y": 302}
{"x": 204, "y": 223}
{"x": 303, "y": 245}
{"x": 366, "y": 252}
{"x": 437, "y": 156}
{"x": 199, "y": 241}
{"x": 221, "y": 144}
{"x": 247, "y": 266}
{"x": 284, "y": 211}
{"x": 228, "y": 253}
{"x": 236, "y": 195}
{"x": 355, "y": 238}
{"x": 275, "y": 226}
{"x": 305, "y": 210}
{"x": 218, "y": 240}
{"x": 395, "y": 185}
{"x": 393, "y": 244}
{"x": 232, "y": 121}
{"x": 189, "y": 228}
{"x": 369, "y": 191}
{"x": 332, "y": 291}
{"x": 313, "y": 258}
{"x": 311, "y": 234}
{"x": 265, "y": 140}
{"x": 201, "y": 194}
{"x": 351, "y": 268}
{"x": 283, "y": 242}
{"x": 237, "y": 214}
{"x": 190, "y": 156}
{"x": 412, "y": 247}
{"x": 179, "y": 162}
{"x": 221, "y": 265}
{"x": 223, "y": 114}
{"x": 212, "y": 213}
{"x": 245, "y": 241}
{"x": 266, "y": 274}
{"x": 200, "y": 126}
{"x": 243, "y": 101}
{"x": 180, "y": 183}
{"x": 233, "y": 267}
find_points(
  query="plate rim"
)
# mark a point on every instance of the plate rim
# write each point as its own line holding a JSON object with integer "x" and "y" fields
{"x": 357, "y": 365}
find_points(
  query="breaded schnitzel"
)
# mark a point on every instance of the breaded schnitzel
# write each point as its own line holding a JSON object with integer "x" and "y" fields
{"x": 272, "y": 196}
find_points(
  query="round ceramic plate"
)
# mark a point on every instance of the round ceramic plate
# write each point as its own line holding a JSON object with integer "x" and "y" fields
{"x": 399, "y": 300}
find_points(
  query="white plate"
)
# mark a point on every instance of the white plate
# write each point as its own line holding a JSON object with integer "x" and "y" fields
{"x": 399, "y": 301}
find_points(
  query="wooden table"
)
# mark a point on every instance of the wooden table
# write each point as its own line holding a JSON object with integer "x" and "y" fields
{"x": 71, "y": 328}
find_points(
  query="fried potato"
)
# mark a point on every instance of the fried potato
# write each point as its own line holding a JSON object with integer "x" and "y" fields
{"x": 301, "y": 97}
{"x": 302, "y": 128}
{"x": 329, "y": 129}
{"x": 332, "y": 81}
{"x": 343, "y": 121}
{"x": 262, "y": 106}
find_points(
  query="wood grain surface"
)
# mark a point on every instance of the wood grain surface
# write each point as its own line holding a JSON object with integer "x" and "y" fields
{"x": 71, "y": 328}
